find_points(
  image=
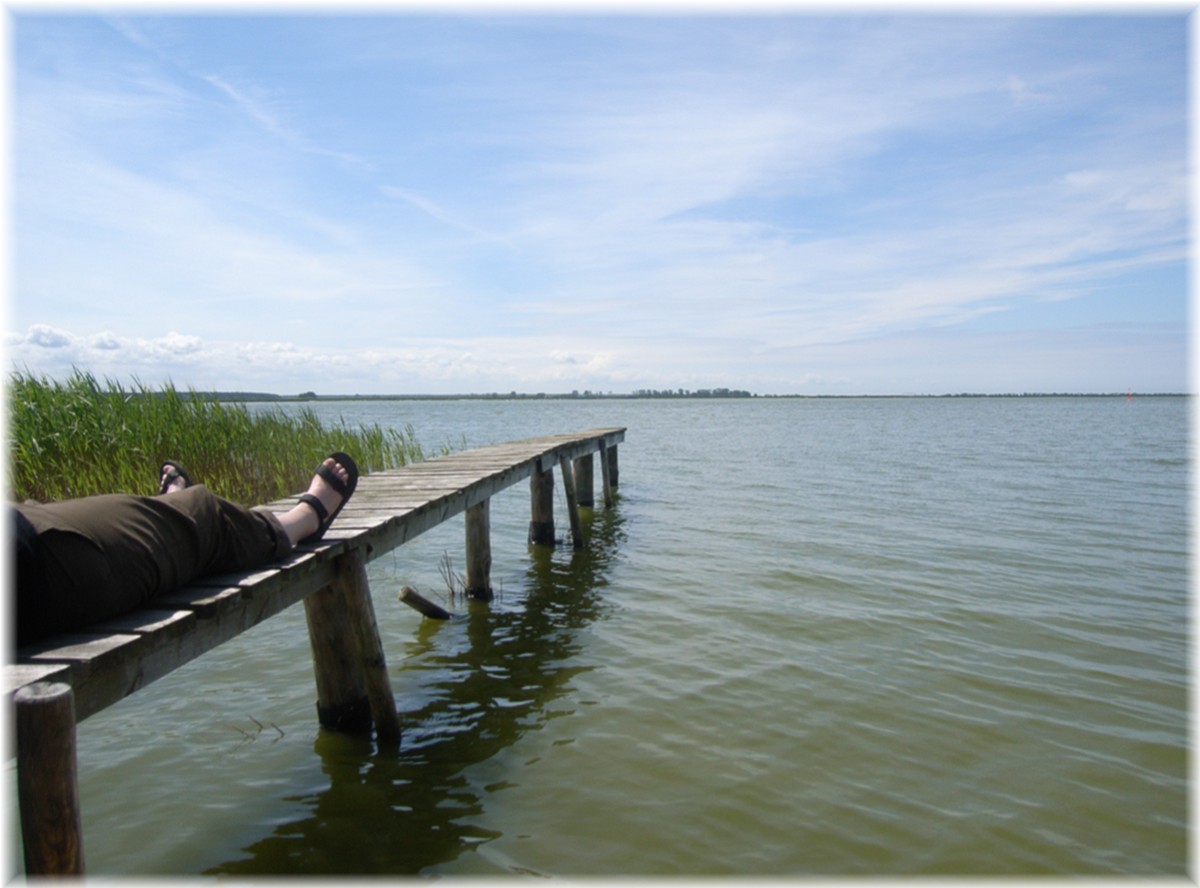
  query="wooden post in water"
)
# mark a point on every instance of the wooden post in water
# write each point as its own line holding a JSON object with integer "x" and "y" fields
{"x": 352, "y": 577}
{"x": 585, "y": 494}
{"x": 342, "y": 703}
{"x": 423, "y": 605}
{"x": 47, "y": 783}
{"x": 541, "y": 521}
{"x": 606, "y": 476}
{"x": 564, "y": 467}
{"x": 613, "y": 471}
{"x": 479, "y": 550}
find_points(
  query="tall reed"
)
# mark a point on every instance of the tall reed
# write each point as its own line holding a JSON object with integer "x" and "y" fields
{"x": 77, "y": 438}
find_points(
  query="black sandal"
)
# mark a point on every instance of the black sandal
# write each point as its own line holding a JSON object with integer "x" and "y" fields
{"x": 175, "y": 471}
{"x": 324, "y": 517}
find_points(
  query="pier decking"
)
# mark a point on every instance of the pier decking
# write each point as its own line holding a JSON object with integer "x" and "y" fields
{"x": 62, "y": 681}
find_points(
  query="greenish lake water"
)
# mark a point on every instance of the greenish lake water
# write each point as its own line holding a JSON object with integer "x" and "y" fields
{"x": 814, "y": 637}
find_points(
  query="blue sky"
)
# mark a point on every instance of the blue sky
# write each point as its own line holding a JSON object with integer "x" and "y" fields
{"x": 789, "y": 201}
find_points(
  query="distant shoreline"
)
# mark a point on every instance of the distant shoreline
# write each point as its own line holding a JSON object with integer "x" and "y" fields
{"x": 647, "y": 396}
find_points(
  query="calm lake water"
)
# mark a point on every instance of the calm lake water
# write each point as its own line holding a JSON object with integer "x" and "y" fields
{"x": 813, "y": 637}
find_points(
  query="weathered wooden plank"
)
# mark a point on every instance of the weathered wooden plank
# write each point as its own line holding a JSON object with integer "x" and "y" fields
{"x": 102, "y": 668}
{"x": 18, "y": 675}
{"x": 204, "y": 601}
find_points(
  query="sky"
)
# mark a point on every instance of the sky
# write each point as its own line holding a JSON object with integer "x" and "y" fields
{"x": 794, "y": 200}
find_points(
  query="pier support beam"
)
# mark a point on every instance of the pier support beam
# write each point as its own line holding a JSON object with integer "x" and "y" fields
{"x": 353, "y": 689}
{"x": 47, "y": 783}
{"x": 479, "y": 551}
{"x": 564, "y": 467}
{"x": 541, "y": 522}
{"x": 342, "y": 703}
{"x": 613, "y": 470}
{"x": 352, "y": 577}
{"x": 605, "y": 477}
{"x": 585, "y": 493}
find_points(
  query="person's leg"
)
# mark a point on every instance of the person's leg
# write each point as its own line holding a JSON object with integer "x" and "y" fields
{"x": 101, "y": 556}
{"x": 298, "y": 523}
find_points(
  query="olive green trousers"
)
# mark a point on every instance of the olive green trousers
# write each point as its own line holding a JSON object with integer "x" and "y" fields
{"x": 86, "y": 560}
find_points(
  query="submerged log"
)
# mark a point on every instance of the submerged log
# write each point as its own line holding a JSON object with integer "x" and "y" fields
{"x": 418, "y": 602}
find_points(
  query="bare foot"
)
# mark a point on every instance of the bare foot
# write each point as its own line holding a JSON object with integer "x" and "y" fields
{"x": 171, "y": 480}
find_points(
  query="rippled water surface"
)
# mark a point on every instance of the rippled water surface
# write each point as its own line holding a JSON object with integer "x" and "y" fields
{"x": 877, "y": 636}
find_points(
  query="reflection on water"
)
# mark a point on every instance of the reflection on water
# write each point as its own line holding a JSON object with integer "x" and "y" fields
{"x": 471, "y": 687}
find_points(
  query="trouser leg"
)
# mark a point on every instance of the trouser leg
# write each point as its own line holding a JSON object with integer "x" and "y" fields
{"x": 101, "y": 556}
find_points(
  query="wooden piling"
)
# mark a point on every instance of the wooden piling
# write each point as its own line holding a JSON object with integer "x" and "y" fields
{"x": 342, "y": 703}
{"x": 541, "y": 522}
{"x": 613, "y": 470}
{"x": 585, "y": 494}
{"x": 479, "y": 551}
{"x": 564, "y": 468}
{"x": 47, "y": 783}
{"x": 606, "y": 476}
{"x": 352, "y": 577}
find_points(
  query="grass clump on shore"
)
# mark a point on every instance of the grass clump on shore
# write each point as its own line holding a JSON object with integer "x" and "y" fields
{"x": 78, "y": 438}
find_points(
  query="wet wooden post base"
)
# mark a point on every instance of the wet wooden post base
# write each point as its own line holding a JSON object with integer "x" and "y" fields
{"x": 47, "y": 785}
{"x": 585, "y": 494}
{"x": 342, "y": 703}
{"x": 479, "y": 550}
{"x": 564, "y": 468}
{"x": 606, "y": 475}
{"x": 352, "y": 577}
{"x": 541, "y": 521}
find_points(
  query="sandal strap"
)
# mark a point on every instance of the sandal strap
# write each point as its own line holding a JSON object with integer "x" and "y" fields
{"x": 332, "y": 479}
{"x": 318, "y": 506}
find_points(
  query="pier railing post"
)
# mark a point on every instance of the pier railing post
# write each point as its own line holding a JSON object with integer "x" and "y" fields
{"x": 564, "y": 467}
{"x": 47, "y": 781}
{"x": 585, "y": 494}
{"x": 541, "y": 519}
{"x": 479, "y": 550}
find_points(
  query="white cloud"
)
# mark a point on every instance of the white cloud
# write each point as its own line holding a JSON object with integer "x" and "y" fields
{"x": 43, "y": 336}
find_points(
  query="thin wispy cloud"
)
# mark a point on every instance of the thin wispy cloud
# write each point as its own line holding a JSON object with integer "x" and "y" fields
{"x": 434, "y": 202}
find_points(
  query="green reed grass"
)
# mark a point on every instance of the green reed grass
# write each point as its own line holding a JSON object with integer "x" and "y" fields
{"x": 78, "y": 438}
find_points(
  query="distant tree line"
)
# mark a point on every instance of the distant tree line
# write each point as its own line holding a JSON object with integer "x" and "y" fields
{"x": 699, "y": 393}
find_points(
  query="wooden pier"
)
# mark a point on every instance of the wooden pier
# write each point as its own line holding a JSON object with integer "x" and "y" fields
{"x": 57, "y": 683}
